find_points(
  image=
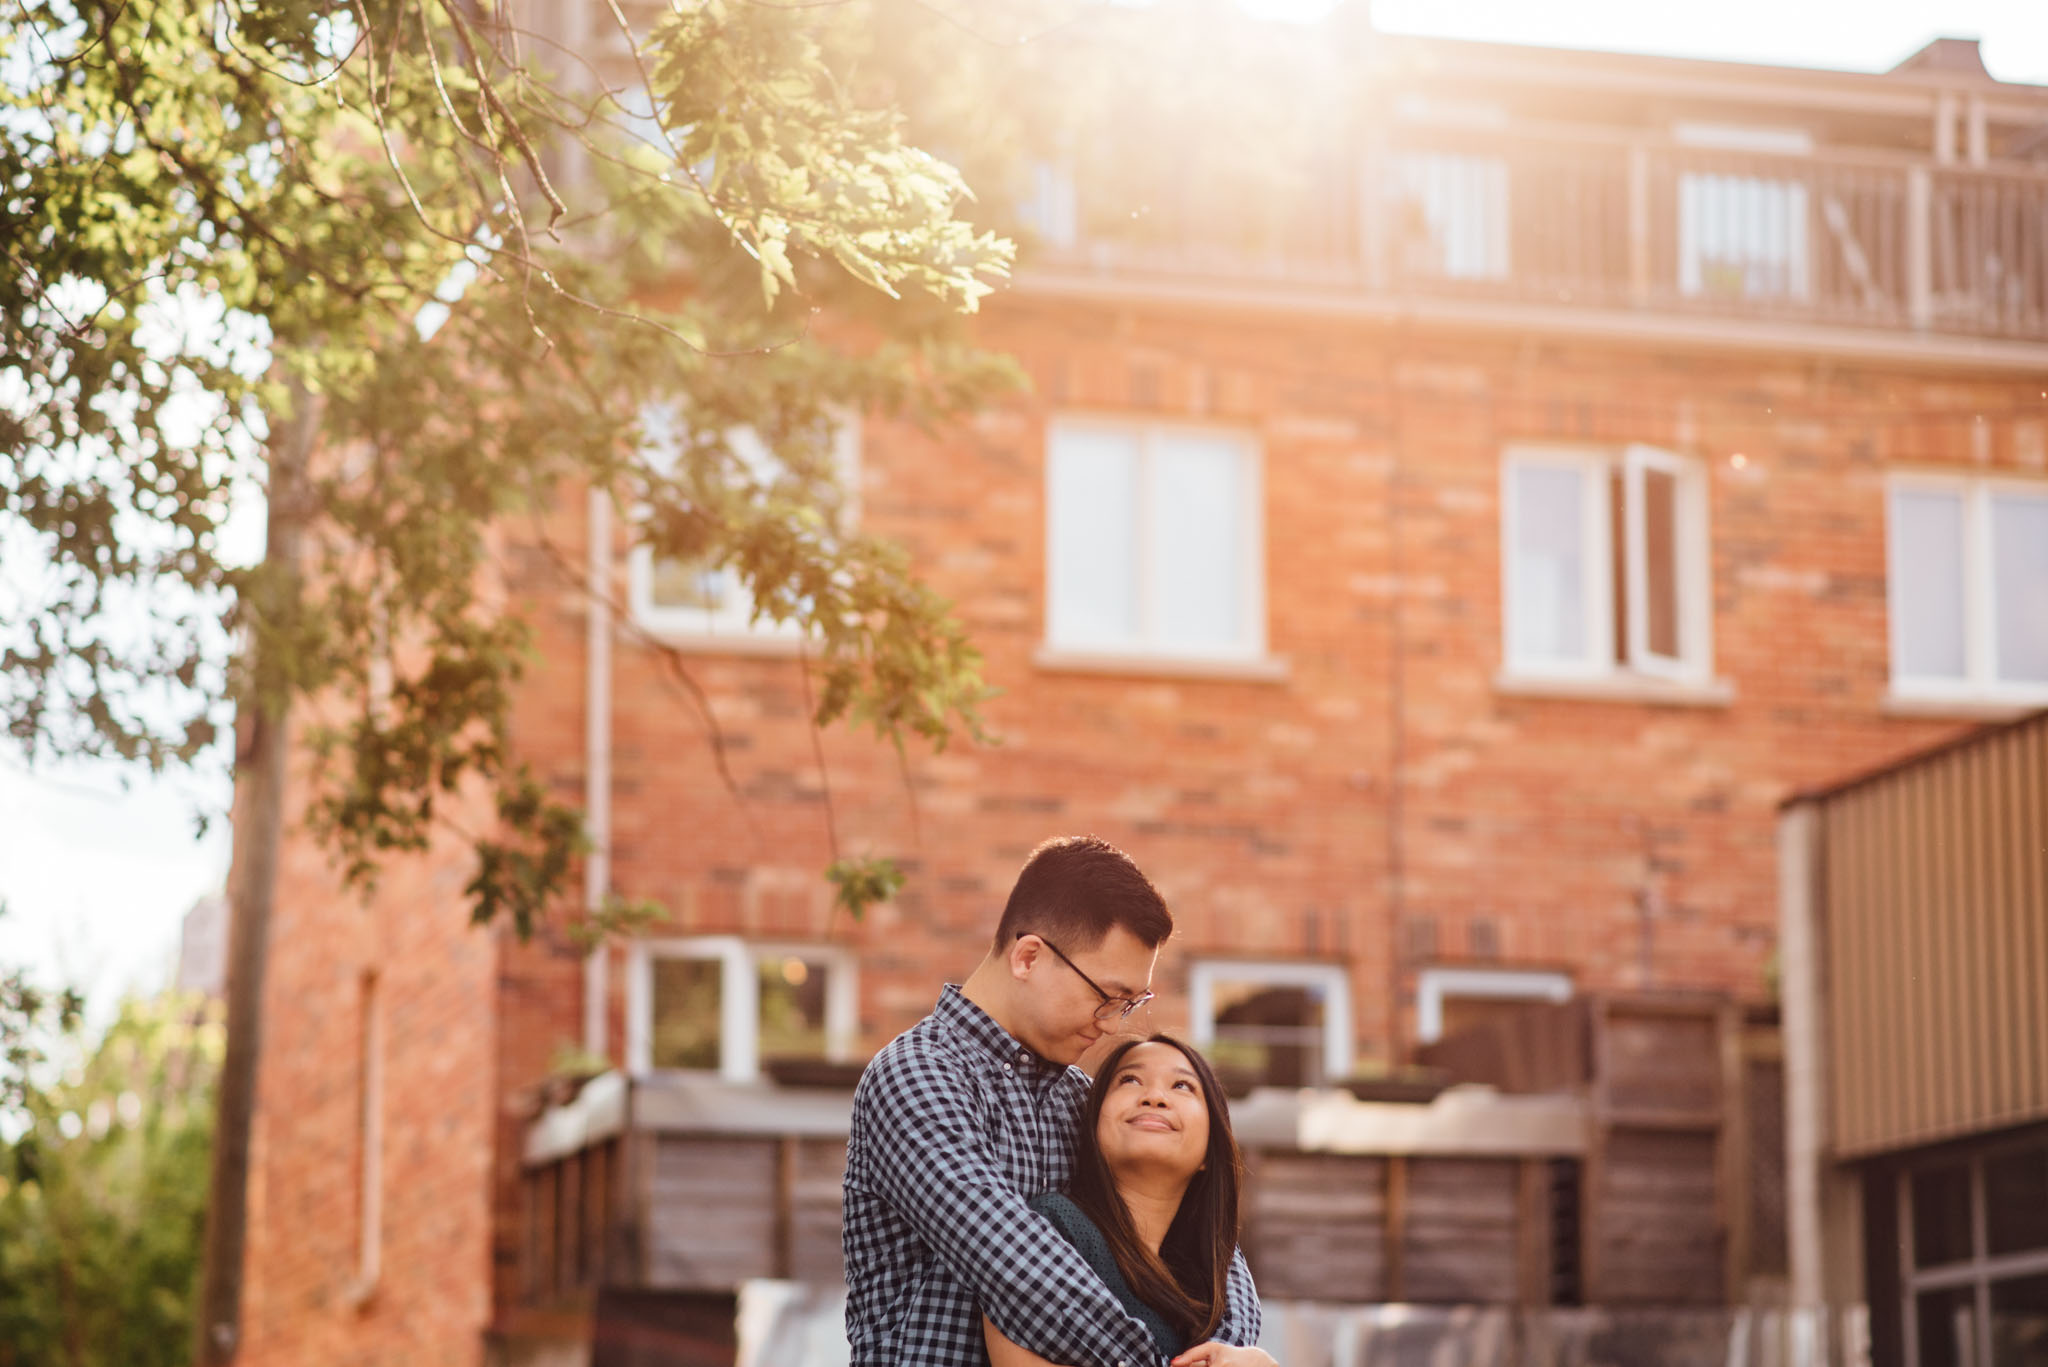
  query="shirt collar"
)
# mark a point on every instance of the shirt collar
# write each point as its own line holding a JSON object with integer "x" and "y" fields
{"x": 962, "y": 1017}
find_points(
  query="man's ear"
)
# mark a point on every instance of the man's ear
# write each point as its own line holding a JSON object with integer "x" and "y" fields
{"x": 1023, "y": 955}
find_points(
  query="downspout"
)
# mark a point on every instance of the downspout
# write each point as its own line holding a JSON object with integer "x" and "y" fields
{"x": 597, "y": 761}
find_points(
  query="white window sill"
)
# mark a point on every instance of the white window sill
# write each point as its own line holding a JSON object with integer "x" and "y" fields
{"x": 1642, "y": 688}
{"x": 1961, "y": 706}
{"x": 1255, "y": 669}
{"x": 736, "y": 642}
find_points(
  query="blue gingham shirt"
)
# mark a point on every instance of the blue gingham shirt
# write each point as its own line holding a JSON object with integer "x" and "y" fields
{"x": 954, "y": 1124}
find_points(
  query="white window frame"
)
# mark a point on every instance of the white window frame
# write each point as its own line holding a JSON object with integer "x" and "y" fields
{"x": 1432, "y": 985}
{"x": 1144, "y": 645}
{"x": 1980, "y": 682}
{"x": 1204, "y": 974}
{"x": 732, "y": 626}
{"x": 1693, "y": 551}
{"x": 739, "y": 1024}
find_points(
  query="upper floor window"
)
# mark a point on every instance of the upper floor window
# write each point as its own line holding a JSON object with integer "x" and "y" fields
{"x": 1742, "y": 237}
{"x": 695, "y": 604}
{"x": 1742, "y": 231}
{"x": 1605, "y": 564}
{"x": 726, "y": 1005}
{"x": 1455, "y": 215}
{"x": 1278, "y": 1024}
{"x": 1968, "y": 587}
{"x": 1154, "y": 543}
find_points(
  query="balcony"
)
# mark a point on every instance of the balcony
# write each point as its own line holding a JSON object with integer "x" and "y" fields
{"x": 1871, "y": 253}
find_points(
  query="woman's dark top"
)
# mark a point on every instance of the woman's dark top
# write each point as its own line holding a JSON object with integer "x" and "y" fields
{"x": 1088, "y": 1241}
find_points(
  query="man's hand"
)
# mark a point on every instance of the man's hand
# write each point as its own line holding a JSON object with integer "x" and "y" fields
{"x": 1215, "y": 1354}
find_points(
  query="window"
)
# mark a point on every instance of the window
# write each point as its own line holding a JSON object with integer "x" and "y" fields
{"x": 1280, "y": 1025}
{"x": 1968, "y": 587}
{"x": 725, "y": 1005}
{"x": 1975, "y": 1255}
{"x": 1153, "y": 541}
{"x": 1448, "y": 1000}
{"x": 1743, "y": 235}
{"x": 1604, "y": 564}
{"x": 1052, "y": 208}
{"x": 1452, "y": 215}
{"x": 700, "y": 605}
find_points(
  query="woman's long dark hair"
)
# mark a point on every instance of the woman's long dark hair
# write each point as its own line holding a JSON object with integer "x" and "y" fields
{"x": 1185, "y": 1280}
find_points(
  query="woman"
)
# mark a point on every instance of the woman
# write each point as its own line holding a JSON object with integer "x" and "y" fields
{"x": 1154, "y": 1201}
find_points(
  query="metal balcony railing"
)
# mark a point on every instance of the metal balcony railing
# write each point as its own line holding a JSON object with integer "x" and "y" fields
{"x": 1865, "y": 240}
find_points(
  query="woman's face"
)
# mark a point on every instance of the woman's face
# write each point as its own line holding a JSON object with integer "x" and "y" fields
{"x": 1154, "y": 1116}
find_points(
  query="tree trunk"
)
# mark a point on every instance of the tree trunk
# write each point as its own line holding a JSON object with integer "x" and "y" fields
{"x": 261, "y": 763}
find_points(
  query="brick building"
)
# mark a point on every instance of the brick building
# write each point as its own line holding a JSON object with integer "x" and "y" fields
{"x": 1436, "y": 587}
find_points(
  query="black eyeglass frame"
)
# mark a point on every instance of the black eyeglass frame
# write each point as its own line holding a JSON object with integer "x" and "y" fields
{"x": 1124, "y": 1005}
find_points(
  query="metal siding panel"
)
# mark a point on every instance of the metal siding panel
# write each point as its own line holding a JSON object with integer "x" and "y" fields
{"x": 1936, "y": 923}
{"x": 1995, "y": 767}
{"x": 1843, "y": 970}
{"x": 1945, "y": 889}
{"x": 1915, "y": 968}
{"x": 1851, "y": 963}
{"x": 2031, "y": 902}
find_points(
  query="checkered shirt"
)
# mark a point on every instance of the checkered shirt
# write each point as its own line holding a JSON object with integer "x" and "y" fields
{"x": 954, "y": 1124}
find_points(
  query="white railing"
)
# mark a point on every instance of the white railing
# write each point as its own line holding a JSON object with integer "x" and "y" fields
{"x": 1578, "y": 219}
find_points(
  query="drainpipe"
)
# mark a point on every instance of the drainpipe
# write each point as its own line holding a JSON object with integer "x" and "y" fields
{"x": 597, "y": 760}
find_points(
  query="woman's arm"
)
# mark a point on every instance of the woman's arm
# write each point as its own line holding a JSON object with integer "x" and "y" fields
{"x": 1215, "y": 1354}
{"x": 1003, "y": 1353}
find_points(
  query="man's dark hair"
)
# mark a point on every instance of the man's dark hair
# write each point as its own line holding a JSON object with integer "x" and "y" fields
{"x": 1073, "y": 888}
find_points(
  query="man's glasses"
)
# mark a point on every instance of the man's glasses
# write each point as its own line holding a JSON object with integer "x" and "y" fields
{"x": 1112, "y": 1008}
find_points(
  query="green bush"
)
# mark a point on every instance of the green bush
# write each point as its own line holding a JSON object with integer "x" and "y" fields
{"x": 103, "y": 1194}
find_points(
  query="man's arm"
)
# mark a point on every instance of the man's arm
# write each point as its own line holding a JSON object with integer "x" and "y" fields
{"x": 931, "y": 1163}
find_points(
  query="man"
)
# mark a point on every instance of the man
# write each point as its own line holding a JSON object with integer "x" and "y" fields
{"x": 973, "y": 1109}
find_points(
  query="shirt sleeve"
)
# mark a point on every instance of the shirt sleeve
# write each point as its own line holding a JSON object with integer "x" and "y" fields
{"x": 1242, "y": 1318}
{"x": 932, "y": 1163}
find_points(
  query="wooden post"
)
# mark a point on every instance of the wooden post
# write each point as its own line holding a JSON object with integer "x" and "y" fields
{"x": 1532, "y": 1233}
{"x": 1920, "y": 246}
{"x": 785, "y": 1206}
{"x": 1591, "y": 1173}
{"x": 1799, "y": 990}
{"x": 1639, "y": 225}
{"x": 1733, "y": 1149}
{"x": 1373, "y": 247}
{"x": 1396, "y": 1231}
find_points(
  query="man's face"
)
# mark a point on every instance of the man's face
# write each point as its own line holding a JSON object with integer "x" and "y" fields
{"x": 1059, "y": 1010}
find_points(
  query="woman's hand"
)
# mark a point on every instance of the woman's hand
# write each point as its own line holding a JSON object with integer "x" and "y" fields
{"x": 1218, "y": 1354}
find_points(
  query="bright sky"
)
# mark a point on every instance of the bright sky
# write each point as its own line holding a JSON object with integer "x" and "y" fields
{"x": 1850, "y": 35}
{"x": 97, "y": 880}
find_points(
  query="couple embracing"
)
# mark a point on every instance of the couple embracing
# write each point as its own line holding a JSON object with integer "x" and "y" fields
{"x": 1003, "y": 1208}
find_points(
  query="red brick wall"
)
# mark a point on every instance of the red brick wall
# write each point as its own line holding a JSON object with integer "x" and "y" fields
{"x": 436, "y": 990}
{"x": 1384, "y": 804}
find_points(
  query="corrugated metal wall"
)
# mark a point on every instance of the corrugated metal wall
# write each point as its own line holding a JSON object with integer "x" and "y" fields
{"x": 1934, "y": 877}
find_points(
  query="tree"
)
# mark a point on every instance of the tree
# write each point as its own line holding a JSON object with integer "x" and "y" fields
{"x": 102, "y": 1191}
{"x": 30, "y": 1018}
{"x": 404, "y": 272}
